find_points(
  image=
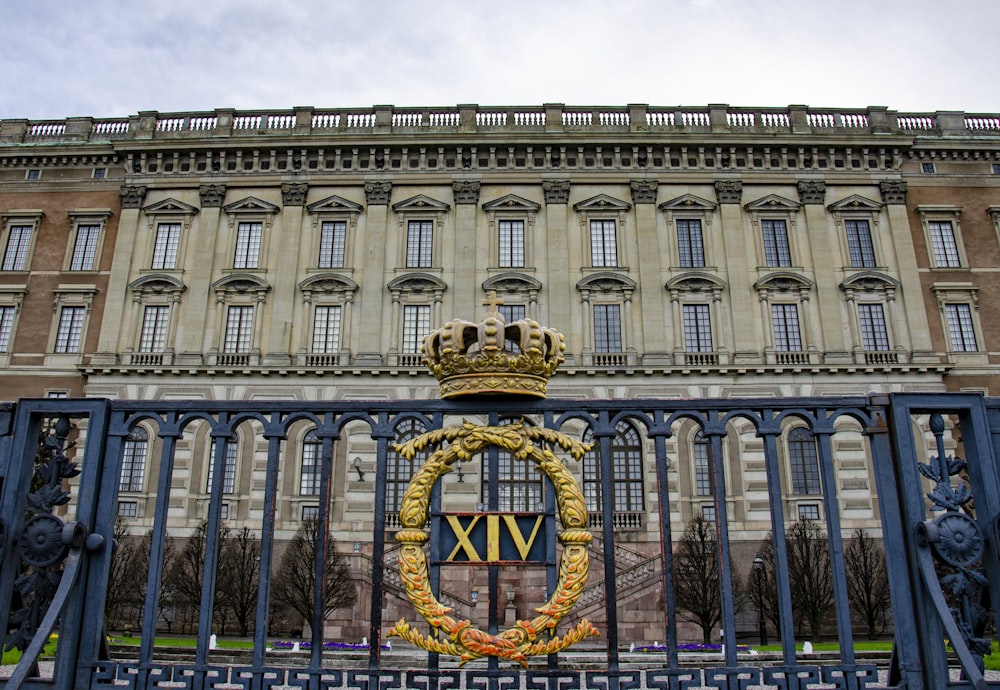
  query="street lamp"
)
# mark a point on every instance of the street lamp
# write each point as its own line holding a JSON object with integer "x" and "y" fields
{"x": 758, "y": 568}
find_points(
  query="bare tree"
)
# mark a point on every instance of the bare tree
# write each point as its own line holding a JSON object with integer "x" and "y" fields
{"x": 295, "y": 580}
{"x": 186, "y": 574}
{"x": 123, "y": 575}
{"x": 761, "y": 589}
{"x": 696, "y": 577}
{"x": 867, "y": 580}
{"x": 239, "y": 568}
{"x": 810, "y": 574}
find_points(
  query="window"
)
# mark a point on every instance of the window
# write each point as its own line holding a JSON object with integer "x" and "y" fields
{"x": 7, "y": 315}
{"x": 776, "y": 250}
{"x": 310, "y": 513}
{"x": 690, "y": 245}
{"x": 224, "y": 511}
{"x": 511, "y": 243}
{"x": 326, "y": 329}
{"x": 927, "y": 167}
{"x": 416, "y": 324}
{"x": 85, "y": 248}
{"x": 228, "y": 470}
{"x": 603, "y": 243}
{"x": 399, "y": 470}
{"x": 239, "y": 329}
{"x": 70, "y": 329}
{"x": 310, "y": 476}
{"x": 704, "y": 477}
{"x": 100, "y": 173}
{"x": 803, "y": 462}
{"x": 708, "y": 513}
{"x": 809, "y": 511}
{"x": 248, "y": 237}
{"x": 15, "y": 256}
{"x": 626, "y": 471}
{"x": 153, "y": 337}
{"x": 697, "y": 328}
{"x": 607, "y": 328}
{"x": 996, "y": 168}
{"x": 34, "y": 174}
{"x": 960, "y": 328}
{"x": 943, "y": 244}
{"x": 128, "y": 509}
{"x": 519, "y": 487}
{"x": 785, "y": 321}
{"x": 168, "y": 237}
{"x": 511, "y": 313}
{"x": 332, "y": 240}
{"x": 859, "y": 244}
{"x": 419, "y": 243}
{"x": 134, "y": 460}
{"x": 871, "y": 320}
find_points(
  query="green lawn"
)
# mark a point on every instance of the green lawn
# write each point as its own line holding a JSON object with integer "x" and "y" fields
{"x": 182, "y": 642}
{"x": 14, "y": 655}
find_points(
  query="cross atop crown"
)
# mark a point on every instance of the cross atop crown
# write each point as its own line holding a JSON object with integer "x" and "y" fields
{"x": 492, "y": 301}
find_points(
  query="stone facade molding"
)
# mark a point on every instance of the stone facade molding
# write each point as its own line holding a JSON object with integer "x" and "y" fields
{"x": 729, "y": 191}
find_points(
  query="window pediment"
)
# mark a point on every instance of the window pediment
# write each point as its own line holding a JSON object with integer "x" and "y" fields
{"x": 773, "y": 202}
{"x": 241, "y": 282}
{"x": 855, "y": 202}
{"x": 170, "y": 206}
{"x": 416, "y": 282}
{"x": 606, "y": 282}
{"x": 252, "y": 207}
{"x": 420, "y": 203}
{"x": 511, "y": 282}
{"x": 28, "y": 216}
{"x": 511, "y": 202}
{"x": 688, "y": 202}
{"x": 869, "y": 281}
{"x": 157, "y": 284}
{"x": 783, "y": 281}
{"x": 328, "y": 283}
{"x": 601, "y": 202}
{"x": 695, "y": 281}
{"x": 334, "y": 204}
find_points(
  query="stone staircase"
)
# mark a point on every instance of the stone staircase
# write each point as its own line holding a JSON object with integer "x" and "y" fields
{"x": 634, "y": 572}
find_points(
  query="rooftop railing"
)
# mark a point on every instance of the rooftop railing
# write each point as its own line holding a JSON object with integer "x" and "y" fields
{"x": 475, "y": 119}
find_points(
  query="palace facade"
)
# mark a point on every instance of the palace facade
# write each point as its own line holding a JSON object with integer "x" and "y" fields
{"x": 688, "y": 252}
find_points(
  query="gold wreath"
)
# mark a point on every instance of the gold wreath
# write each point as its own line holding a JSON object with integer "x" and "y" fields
{"x": 463, "y": 639}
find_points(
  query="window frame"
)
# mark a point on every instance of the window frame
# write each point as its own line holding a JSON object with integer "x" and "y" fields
{"x": 607, "y": 331}
{"x": 337, "y": 241}
{"x": 965, "y": 330}
{"x": 410, "y": 343}
{"x": 135, "y": 459}
{"x": 420, "y": 254}
{"x": 511, "y": 258}
{"x": 229, "y": 468}
{"x": 625, "y": 485}
{"x": 780, "y": 242}
{"x": 804, "y": 478}
{"x": 943, "y": 252}
{"x": 699, "y": 324}
{"x": 96, "y": 219}
{"x": 70, "y": 333}
{"x": 604, "y": 245}
{"x": 333, "y": 209}
{"x": 155, "y": 336}
{"x": 171, "y": 246}
{"x": 250, "y": 258}
{"x": 30, "y": 219}
{"x": 865, "y": 324}
{"x": 310, "y": 472}
{"x": 229, "y": 334}
{"x": 786, "y": 308}
{"x": 335, "y": 341}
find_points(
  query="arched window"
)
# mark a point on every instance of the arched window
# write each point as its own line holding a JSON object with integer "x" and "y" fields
{"x": 704, "y": 477}
{"x": 519, "y": 486}
{"x": 803, "y": 462}
{"x": 399, "y": 470}
{"x": 626, "y": 471}
{"x": 134, "y": 460}
{"x": 309, "y": 478}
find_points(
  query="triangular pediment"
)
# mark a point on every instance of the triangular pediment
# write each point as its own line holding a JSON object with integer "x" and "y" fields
{"x": 512, "y": 202}
{"x": 170, "y": 206}
{"x": 688, "y": 202}
{"x": 421, "y": 202}
{"x": 856, "y": 202}
{"x": 773, "y": 202}
{"x": 334, "y": 204}
{"x": 602, "y": 202}
{"x": 250, "y": 204}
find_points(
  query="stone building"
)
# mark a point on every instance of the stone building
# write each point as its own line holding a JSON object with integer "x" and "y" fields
{"x": 684, "y": 252}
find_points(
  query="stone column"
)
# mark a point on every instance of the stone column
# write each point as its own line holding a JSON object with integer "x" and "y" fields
{"x": 112, "y": 339}
{"x": 370, "y": 257}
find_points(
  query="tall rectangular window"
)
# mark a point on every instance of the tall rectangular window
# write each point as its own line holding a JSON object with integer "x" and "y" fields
{"x": 785, "y": 322}
{"x": 960, "y": 328}
{"x": 944, "y": 244}
{"x": 419, "y": 243}
{"x": 310, "y": 478}
{"x": 603, "y": 243}
{"x": 70, "y": 329}
{"x": 697, "y": 328}
{"x": 332, "y": 240}
{"x": 15, "y": 256}
{"x": 607, "y": 328}
{"x": 776, "y": 250}
{"x": 6, "y": 327}
{"x": 239, "y": 329}
{"x": 871, "y": 320}
{"x": 690, "y": 245}
{"x": 134, "y": 461}
{"x": 859, "y": 244}
{"x": 511, "y": 312}
{"x": 154, "y": 328}
{"x": 416, "y": 324}
{"x": 326, "y": 329}
{"x": 803, "y": 461}
{"x": 168, "y": 237}
{"x": 228, "y": 469}
{"x": 248, "y": 237}
{"x": 511, "y": 243}
{"x": 85, "y": 248}
{"x": 704, "y": 479}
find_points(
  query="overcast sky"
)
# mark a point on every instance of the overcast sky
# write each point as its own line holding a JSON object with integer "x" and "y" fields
{"x": 108, "y": 58}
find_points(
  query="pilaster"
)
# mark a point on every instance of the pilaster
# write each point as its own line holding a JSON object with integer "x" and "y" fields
{"x": 650, "y": 250}
{"x": 464, "y": 239}
{"x": 556, "y": 309}
{"x": 371, "y": 325}
{"x": 287, "y": 233}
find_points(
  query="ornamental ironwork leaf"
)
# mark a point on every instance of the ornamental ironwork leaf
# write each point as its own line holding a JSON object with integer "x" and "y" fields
{"x": 929, "y": 470}
{"x": 955, "y": 465}
{"x": 962, "y": 493}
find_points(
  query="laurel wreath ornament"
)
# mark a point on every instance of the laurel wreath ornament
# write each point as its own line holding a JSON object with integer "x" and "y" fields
{"x": 460, "y": 638}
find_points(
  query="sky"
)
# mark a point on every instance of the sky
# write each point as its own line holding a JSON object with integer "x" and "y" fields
{"x": 114, "y": 58}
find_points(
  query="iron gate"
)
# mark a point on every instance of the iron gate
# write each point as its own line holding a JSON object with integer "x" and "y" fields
{"x": 940, "y": 517}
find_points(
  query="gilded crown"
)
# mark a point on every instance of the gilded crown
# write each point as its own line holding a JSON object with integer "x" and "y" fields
{"x": 493, "y": 356}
